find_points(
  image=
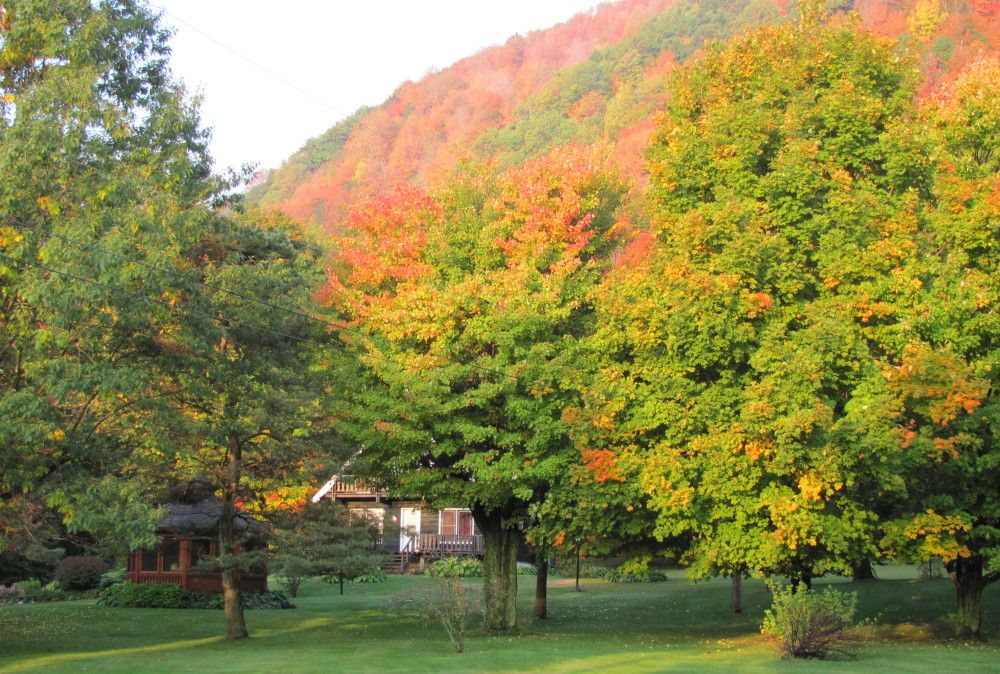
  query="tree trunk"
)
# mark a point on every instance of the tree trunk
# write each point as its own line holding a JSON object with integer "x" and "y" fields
{"x": 236, "y": 627}
{"x": 541, "y": 586}
{"x": 863, "y": 571}
{"x": 737, "y": 593}
{"x": 967, "y": 574}
{"x": 499, "y": 570}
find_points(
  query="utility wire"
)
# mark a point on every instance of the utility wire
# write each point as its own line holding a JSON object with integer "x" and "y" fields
{"x": 284, "y": 81}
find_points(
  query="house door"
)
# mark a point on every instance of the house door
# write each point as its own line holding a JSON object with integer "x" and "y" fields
{"x": 409, "y": 527}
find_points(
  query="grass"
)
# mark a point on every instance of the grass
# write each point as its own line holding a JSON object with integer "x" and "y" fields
{"x": 675, "y": 626}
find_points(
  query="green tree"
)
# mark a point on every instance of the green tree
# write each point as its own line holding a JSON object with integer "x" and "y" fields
{"x": 325, "y": 540}
{"x": 462, "y": 306}
{"x": 739, "y": 380}
{"x": 147, "y": 337}
{"x": 99, "y": 150}
{"x": 946, "y": 374}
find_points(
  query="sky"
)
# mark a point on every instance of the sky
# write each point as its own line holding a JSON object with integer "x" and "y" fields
{"x": 272, "y": 75}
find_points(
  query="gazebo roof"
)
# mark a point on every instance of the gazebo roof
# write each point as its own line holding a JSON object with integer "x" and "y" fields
{"x": 203, "y": 517}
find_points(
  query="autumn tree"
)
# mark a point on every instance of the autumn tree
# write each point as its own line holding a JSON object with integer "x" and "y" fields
{"x": 945, "y": 376}
{"x": 462, "y": 304}
{"x": 739, "y": 379}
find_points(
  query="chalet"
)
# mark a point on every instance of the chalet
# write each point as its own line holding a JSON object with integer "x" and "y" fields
{"x": 412, "y": 533}
{"x": 188, "y": 542}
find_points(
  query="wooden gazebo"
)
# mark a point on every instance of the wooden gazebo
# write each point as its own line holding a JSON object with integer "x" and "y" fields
{"x": 188, "y": 544}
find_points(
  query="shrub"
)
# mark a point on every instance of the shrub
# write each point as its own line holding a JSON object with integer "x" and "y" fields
{"x": 447, "y": 601}
{"x": 171, "y": 595}
{"x": 588, "y": 568}
{"x": 456, "y": 567}
{"x": 145, "y": 595}
{"x": 81, "y": 573}
{"x": 524, "y": 569}
{"x": 807, "y": 624}
{"x": 634, "y": 576}
{"x": 34, "y": 591}
{"x": 112, "y": 578}
{"x": 376, "y": 576}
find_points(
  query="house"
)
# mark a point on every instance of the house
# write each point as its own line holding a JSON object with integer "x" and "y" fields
{"x": 412, "y": 533}
{"x": 188, "y": 542}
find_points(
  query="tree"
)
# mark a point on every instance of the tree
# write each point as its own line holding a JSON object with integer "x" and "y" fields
{"x": 147, "y": 336}
{"x": 462, "y": 304}
{"x": 324, "y": 540}
{"x": 946, "y": 375}
{"x": 739, "y": 381}
{"x": 100, "y": 151}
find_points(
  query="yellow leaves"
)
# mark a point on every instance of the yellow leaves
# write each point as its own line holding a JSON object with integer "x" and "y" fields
{"x": 57, "y": 435}
{"x": 48, "y": 205}
{"x": 811, "y": 487}
{"x": 924, "y": 19}
{"x": 930, "y": 533}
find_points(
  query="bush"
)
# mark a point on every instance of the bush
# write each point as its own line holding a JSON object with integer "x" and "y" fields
{"x": 113, "y": 577}
{"x": 525, "y": 569}
{"x": 252, "y": 601}
{"x": 447, "y": 601}
{"x": 634, "y": 576}
{"x": 588, "y": 568}
{"x": 171, "y": 595}
{"x": 145, "y": 595}
{"x": 376, "y": 576}
{"x": 456, "y": 567}
{"x": 81, "y": 573}
{"x": 34, "y": 591}
{"x": 807, "y": 624}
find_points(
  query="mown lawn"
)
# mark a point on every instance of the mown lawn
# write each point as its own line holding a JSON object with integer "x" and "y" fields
{"x": 672, "y": 626}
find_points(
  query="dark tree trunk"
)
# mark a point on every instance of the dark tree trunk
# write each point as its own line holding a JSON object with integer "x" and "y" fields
{"x": 236, "y": 627}
{"x": 541, "y": 586}
{"x": 863, "y": 571}
{"x": 802, "y": 580}
{"x": 737, "y": 593}
{"x": 501, "y": 538}
{"x": 967, "y": 575}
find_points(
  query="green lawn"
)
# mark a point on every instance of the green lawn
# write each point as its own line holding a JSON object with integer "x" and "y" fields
{"x": 672, "y": 626}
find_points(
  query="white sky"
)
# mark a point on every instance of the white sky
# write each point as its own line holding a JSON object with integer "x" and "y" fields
{"x": 330, "y": 58}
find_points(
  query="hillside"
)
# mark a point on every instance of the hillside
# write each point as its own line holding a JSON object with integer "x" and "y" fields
{"x": 599, "y": 76}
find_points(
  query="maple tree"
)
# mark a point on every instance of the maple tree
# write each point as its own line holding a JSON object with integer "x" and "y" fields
{"x": 463, "y": 303}
{"x": 738, "y": 380}
{"x": 946, "y": 374}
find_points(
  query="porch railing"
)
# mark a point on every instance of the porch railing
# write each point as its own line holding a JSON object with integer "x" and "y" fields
{"x": 449, "y": 544}
{"x": 349, "y": 485}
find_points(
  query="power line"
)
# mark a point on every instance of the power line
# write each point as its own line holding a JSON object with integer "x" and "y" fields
{"x": 284, "y": 81}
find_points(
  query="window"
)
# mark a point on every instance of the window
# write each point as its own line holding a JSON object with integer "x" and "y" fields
{"x": 171, "y": 555}
{"x": 373, "y": 516}
{"x": 454, "y": 522}
{"x": 149, "y": 560}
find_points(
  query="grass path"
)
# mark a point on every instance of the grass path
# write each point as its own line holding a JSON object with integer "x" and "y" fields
{"x": 674, "y": 627}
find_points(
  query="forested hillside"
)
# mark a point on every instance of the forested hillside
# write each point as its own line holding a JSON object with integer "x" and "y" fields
{"x": 599, "y": 76}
